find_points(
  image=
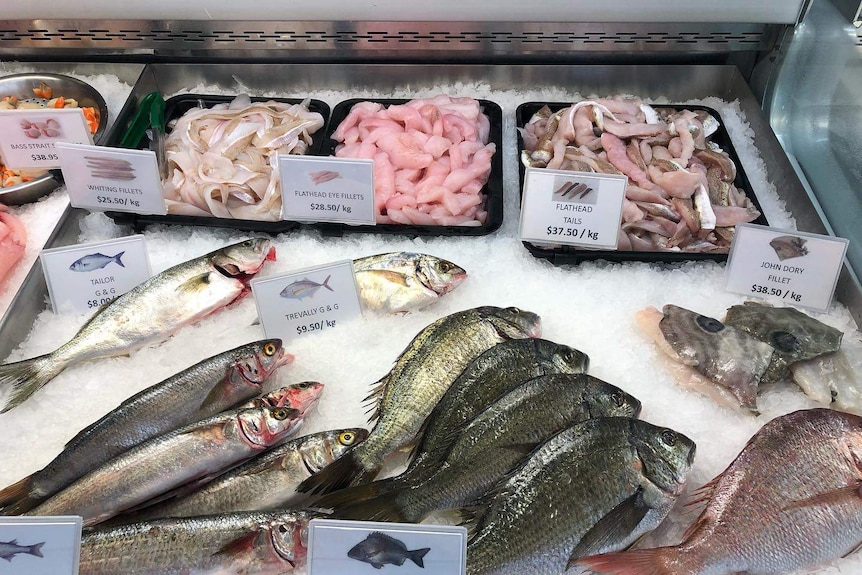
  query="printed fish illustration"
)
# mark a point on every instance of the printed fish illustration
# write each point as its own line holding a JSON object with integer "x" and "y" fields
{"x": 379, "y": 549}
{"x": 8, "y": 549}
{"x": 323, "y": 177}
{"x": 787, "y": 247}
{"x": 304, "y": 288}
{"x": 94, "y": 262}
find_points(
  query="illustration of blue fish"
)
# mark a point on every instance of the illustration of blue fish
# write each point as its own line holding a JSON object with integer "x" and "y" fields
{"x": 95, "y": 262}
{"x": 9, "y": 549}
{"x": 304, "y": 288}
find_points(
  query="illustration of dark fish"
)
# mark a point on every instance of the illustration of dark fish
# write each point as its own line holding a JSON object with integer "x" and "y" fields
{"x": 94, "y": 262}
{"x": 379, "y": 549}
{"x": 788, "y": 247}
{"x": 304, "y": 288}
{"x": 8, "y": 549}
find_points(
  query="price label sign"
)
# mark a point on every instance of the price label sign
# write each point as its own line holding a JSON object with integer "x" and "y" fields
{"x": 336, "y": 547}
{"x": 327, "y": 190}
{"x": 84, "y": 277}
{"x": 798, "y": 268}
{"x": 116, "y": 179}
{"x": 40, "y": 545}
{"x": 572, "y": 208}
{"x": 29, "y": 137}
{"x": 307, "y": 301}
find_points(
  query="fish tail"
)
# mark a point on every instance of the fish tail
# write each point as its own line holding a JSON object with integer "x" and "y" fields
{"x": 118, "y": 260}
{"x": 343, "y": 472}
{"x": 326, "y": 283}
{"x": 28, "y": 376}
{"x": 417, "y": 555}
{"x": 15, "y": 499}
{"x": 641, "y": 562}
{"x": 36, "y": 549}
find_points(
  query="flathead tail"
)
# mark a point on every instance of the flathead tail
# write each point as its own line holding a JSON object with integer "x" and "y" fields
{"x": 15, "y": 499}
{"x": 36, "y": 549}
{"x": 326, "y": 283}
{"x": 343, "y": 472}
{"x": 417, "y": 555}
{"x": 118, "y": 260}
{"x": 26, "y": 377}
{"x": 640, "y": 562}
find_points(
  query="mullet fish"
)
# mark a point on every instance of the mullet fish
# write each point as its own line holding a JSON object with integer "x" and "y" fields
{"x": 149, "y": 313}
{"x": 203, "y": 390}
{"x": 789, "y": 501}
{"x": 421, "y": 375}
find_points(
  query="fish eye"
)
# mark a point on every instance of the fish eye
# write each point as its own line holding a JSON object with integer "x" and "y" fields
{"x": 514, "y": 310}
{"x": 445, "y": 266}
{"x": 668, "y": 437}
{"x": 280, "y": 413}
{"x": 269, "y": 349}
{"x": 247, "y": 243}
{"x": 784, "y": 341}
{"x": 617, "y": 398}
{"x": 347, "y": 438}
{"x": 282, "y": 529}
{"x": 709, "y": 324}
{"x": 303, "y": 385}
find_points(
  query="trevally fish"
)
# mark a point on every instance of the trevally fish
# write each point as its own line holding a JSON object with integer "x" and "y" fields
{"x": 788, "y": 502}
{"x": 421, "y": 375}
{"x": 728, "y": 362}
{"x": 594, "y": 487}
{"x": 304, "y": 288}
{"x": 9, "y": 549}
{"x": 169, "y": 461}
{"x": 268, "y": 481}
{"x": 96, "y": 261}
{"x": 494, "y": 442}
{"x": 203, "y": 390}
{"x": 149, "y": 313}
{"x": 795, "y": 336}
{"x": 490, "y": 376}
{"x": 403, "y": 281}
{"x": 270, "y": 543}
{"x": 379, "y": 549}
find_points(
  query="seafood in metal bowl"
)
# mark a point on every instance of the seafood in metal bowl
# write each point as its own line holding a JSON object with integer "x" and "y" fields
{"x": 222, "y": 161}
{"x": 681, "y": 195}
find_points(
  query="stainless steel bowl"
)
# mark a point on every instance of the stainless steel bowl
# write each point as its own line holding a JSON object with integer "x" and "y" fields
{"x": 21, "y": 85}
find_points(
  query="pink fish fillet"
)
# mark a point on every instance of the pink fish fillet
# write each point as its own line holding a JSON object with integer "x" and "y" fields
{"x": 13, "y": 241}
{"x": 617, "y": 156}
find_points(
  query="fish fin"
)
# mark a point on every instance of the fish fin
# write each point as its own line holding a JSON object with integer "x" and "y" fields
{"x": 417, "y": 554}
{"x": 374, "y": 398}
{"x": 704, "y": 492}
{"x": 618, "y": 524}
{"x": 16, "y": 494}
{"x": 117, "y": 258}
{"x": 640, "y": 562}
{"x": 13, "y": 542}
{"x": 390, "y": 276}
{"x": 343, "y": 472}
{"x": 843, "y": 494}
{"x": 326, "y": 283}
{"x": 238, "y": 546}
{"x": 193, "y": 285}
{"x": 36, "y": 549}
{"x": 7, "y": 557}
{"x": 28, "y": 376}
{"x": 214, "y": 396}
{"x": 383, "y": 508}
{"x": 351, "y": 495}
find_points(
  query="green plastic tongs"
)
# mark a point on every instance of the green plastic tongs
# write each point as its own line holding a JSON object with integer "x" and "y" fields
{"x": 149, "y": 117}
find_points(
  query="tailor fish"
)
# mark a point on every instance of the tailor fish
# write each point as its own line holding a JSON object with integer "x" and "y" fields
{"x": 9, "y": 549}
{"x": 147, "y": 314}
{"x": 96, "y": 261}
{"x": 201, "y": 391}
{"x": 169, "y": 461}
{"x": 379, "y": 549}
{"x": 788, "y": 502}
{"x": 401, "y": 282}
{"x": 270, "y": 543}
{"x": 421, "y": 375}
{"x": 594, "y": 487}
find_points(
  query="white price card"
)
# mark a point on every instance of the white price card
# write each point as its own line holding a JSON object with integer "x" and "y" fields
{"x": 337, "y": 547}
{"x": 307, "y": 301}
{"x": 572, "y": 208}
{"x": 327, "y": 189}
{"x": 40, "y": 545}
{"x": 115, "y": 179}
{"x": 798, "y": 268}
{"x": 84, "y": 277}
{"x": 28, "y": 137}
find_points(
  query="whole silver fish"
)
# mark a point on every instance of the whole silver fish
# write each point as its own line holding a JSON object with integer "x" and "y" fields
{"x": 788, "y": 502}
{"x": 249, "y": 542}
{"x": 268, "y": 481}
{"x": 399, "y": 282}
{"x": 417, "y": 381}
{"x": 493, "y": 443}
{"x": 149, "y": 313}
{"x": 169, "y": 461}
{"x": 592, "y": 488}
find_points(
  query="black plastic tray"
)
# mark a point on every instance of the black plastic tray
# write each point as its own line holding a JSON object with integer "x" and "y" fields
{"x": 179, "y": 105}
{"x": 493, "y": 189}
{"x": 574, "y": 255}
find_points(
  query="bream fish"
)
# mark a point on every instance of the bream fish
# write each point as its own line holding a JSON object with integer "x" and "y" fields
{"x": 493, "y": 443}
{"x": 789, "y": 501}
{"x": 203, "y": 390}
{"x": 169, "y": 461}
{"x": 270, "y": 543}
{"x": 789, "y": 247}
{"x": 726, "y": 363}
{"x": 149, "y": 313}
{"x": 379, "y": 549}
{"x": 421, "y": 375}
{"x": 403, "y": 281}
{"x": 9, "y": 549}
{"x": 595, "y": 487}
{"x": 304, "y": 288}
{"x": 96, "y": 261}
